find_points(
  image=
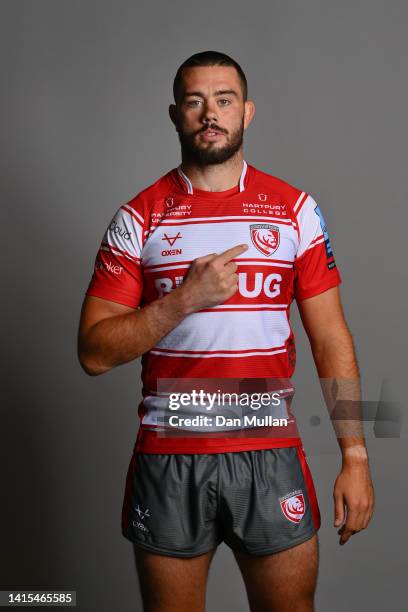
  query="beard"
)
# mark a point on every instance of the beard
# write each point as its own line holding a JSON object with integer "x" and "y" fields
{"x": 210, "y": 155}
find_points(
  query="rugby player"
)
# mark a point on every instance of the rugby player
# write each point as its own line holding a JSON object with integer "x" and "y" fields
{"x": 196, "y": 274}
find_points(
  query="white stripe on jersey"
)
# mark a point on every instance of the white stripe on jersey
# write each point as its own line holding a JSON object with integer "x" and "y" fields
{"x": 118, "y": 252}
{"x": 299, "y": 201}
{"x": 134, "y": 213}
{"x": 210, "y": 220}
{"x": 185, "y": 178}
{"x": 315, "y": 242}
{"x": 242, "y": 177}
{"x": 234, "y": 329}
{"x": 232, "y": 355}
{"x": 253, "y": 306}
{"x": 165, "y": 267}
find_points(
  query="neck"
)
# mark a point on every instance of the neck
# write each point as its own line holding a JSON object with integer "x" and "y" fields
{"x": 215, "y": 177}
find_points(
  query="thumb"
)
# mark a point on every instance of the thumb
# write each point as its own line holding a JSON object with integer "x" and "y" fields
{"x": 338, "y": 509}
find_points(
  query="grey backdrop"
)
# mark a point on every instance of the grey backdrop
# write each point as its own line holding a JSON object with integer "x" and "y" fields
{"x": 85, "y": 90}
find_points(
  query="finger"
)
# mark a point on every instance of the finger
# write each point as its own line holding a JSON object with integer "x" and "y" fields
{"x": 352, "y": 525}
{"x": 231, "y": 267}
{"x": 232, "y": 291}
{"x": 367, "y": 517}
{"x": 339, "y": 514}
{"x": 345, "y": 536}
{"x": 229, "y": 254}
{"x": 205, "y": 258}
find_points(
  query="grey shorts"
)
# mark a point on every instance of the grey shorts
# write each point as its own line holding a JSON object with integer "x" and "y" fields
{"x": 258, "y": 502}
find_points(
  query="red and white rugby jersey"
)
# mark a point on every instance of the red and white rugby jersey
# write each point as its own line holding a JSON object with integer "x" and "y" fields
{"x": 147, "y": 250}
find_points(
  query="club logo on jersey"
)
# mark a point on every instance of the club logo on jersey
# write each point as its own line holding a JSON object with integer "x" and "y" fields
{"x": 262, "y": 197}
{"x": 293, "y": 506}
{"x": 265, "y": 237}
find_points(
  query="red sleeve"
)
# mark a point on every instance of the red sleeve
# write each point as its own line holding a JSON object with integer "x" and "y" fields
{"x": 315, "y": 267}
{"x": 118, "y": 275}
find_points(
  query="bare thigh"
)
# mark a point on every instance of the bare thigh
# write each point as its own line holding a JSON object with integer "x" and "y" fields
{"x": 282, "y": 582}
{"x": 172, "y": 584}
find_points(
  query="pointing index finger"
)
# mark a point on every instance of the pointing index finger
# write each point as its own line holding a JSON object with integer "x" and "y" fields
{"x": 229, "y": 254}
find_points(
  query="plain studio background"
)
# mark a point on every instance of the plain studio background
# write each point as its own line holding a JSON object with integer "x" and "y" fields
{"x": 85, "y": 91}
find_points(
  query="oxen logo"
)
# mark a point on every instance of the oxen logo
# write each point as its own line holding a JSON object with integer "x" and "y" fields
{"x": 265, "y": 237}
{"x": 171, "y": 239}
{"x": 142, "y": 513}
{"x": 293, "y": 506}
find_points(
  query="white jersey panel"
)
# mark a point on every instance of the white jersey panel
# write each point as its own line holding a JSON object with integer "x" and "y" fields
{"x": 198, "y": 237}
{"x": 309, "y": 226}
{"x": 220, "y": 332}
{"x": 124, "y": 233}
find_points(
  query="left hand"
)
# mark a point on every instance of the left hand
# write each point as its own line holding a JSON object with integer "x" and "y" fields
{"x": 354, "y": 492}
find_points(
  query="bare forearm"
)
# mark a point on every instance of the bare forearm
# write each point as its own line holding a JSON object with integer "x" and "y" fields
{"x": 337, "y": 366}
{"x": 335, "y": 355}
{"x": 120, "y": 339}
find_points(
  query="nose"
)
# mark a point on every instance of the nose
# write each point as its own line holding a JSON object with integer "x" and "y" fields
{"x": 209, "y": 112}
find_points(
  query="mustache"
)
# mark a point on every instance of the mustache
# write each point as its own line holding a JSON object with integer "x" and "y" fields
{"x": 216, "y": 128}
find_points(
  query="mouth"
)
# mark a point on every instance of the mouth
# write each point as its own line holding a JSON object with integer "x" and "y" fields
{"x": 210, "y": 134}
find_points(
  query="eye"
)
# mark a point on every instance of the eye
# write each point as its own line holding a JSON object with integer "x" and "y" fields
{"x": 224, "y": 101}
{"x": 193, "y": 103}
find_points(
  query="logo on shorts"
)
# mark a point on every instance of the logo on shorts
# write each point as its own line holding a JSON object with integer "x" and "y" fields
{"x": 293, "y": 506}
{"x": 142, "y": 513}
{"x": 265, "y": 237}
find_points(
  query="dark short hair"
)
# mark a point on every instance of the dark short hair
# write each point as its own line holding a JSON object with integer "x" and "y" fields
{"x": 209, "y": 58}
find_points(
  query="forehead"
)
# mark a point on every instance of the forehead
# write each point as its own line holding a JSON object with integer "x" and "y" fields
{"x": 210, "y": 78}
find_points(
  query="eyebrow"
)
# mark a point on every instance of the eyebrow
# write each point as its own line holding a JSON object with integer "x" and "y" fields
{"x": 219, "y": 92}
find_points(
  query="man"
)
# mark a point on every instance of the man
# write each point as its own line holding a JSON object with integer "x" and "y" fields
{"x": 196, "y": 274}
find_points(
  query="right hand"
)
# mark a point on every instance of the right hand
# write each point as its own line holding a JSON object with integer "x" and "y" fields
{"x": 212, "y": 279}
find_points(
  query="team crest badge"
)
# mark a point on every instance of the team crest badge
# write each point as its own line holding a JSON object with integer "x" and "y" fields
{"x": 293, "y": 506}
{"x": 265, "y": 237}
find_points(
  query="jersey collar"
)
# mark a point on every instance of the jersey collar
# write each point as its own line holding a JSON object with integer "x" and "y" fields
{"x": 188, "y": 186}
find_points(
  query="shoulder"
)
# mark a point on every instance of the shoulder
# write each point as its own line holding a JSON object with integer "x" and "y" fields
{"x": 145, "y": 200}
{"x": 277, "y": 184}
{"x": 293, "y": 196}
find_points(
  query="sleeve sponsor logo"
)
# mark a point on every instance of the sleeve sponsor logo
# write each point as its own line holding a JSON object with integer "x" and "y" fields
{"x": 329, "y": 251}
{"x": 119, "y": 231}
{"x": 109, "y": 267}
